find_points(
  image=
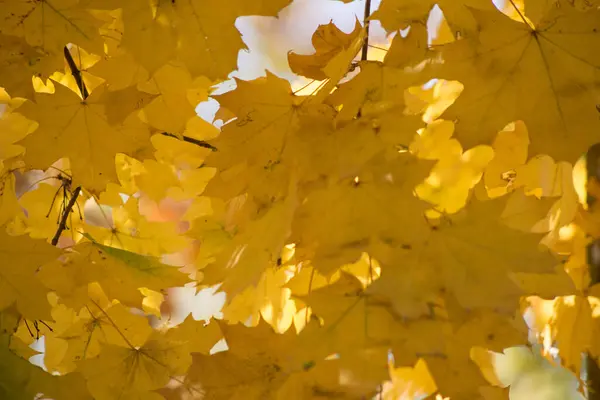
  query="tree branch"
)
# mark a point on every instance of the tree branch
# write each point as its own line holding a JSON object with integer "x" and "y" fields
{"x": 365, "y": 48}
{"x": 197, "y": 142}
{"x": 63, "y": 220}
{"x": 76, "y": 73}
{"x": 591, "y": 368}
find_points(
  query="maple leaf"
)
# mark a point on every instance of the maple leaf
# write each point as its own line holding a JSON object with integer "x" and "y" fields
{"x": 252, "y": 148}
{"x": 505, "y": 59}
{"x": 14, "y": 127}
{"x": 21, "y": 61}
{"x": 120, "y": 272}
{"x": 259, "y": 364}
{"x": 51, "y": 24}
{"x": 18, "y": 275}
{"x": 479, "y": 249}
{"x": 494, "y": 331}
{"x": 399, "y": 14}
{"x": 21, "y": 380}
{"x": 209, "y": 41}
{"x": 354, "y": 204}
{"x": 573, "y": 325}
{"x": 343, "y": 307}
{"x": 375, "y": 93}
{"x": 410, "y": 381}
{"x": 172, "y": 108}
{"x": 93, "y": 327}
{"x": 201, "y": 34}
{"x": 328, "y": 41}
{"x": 46, "y": 205}
{"x": 337, "y": 224}
{"x": 9, "y": 206}
{"x": 129, "y": 230}
{"x": 79, "y": 130}
{"x": 200, "y": 337}
{"x": 269, "y": 300}
{"x": 135, "y": 371}
{"x": 255, "y": 248}
{"x": 526, "y": 371}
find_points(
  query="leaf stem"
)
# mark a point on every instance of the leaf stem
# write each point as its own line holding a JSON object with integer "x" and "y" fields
{"x": 63, "y": 220}
{"x": 76, "y": 72}
{"x": 365, "y": 48}
{"x": 188, "y": 139}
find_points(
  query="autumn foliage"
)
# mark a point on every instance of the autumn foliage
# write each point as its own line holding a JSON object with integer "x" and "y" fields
{"x": 377, "y": 233}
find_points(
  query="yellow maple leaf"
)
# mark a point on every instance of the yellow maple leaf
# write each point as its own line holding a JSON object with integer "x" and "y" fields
{"x": 525, "y": 72}
{"x": 254, "y": 248}
{"x": 354, "y": 203}
{"x": 132, "y": 372}
{"x": 79, "y": 130}
{"x": 126, "y": 228}
{"x": 9, "y": 206}
{"x": 399, "y": 14}
{"x": 51, "y": 24}
{"x": 270, "y": 299}
{"x": 473, "y": 247}
{"x": 22, "y": 257}
{"x": 406, "y": 381}
{"x": 94, "y": 326}
{"x": 19, "y": 62}
{"x": 200, "y": 336}
{"x": 121, "y": 274}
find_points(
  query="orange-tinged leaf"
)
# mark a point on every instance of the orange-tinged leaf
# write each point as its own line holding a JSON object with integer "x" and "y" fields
{"x": 328, "y": 40}
{"x": 255, "y": 248}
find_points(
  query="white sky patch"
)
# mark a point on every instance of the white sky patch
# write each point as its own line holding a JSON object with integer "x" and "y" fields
{"x": 203, "y": 306}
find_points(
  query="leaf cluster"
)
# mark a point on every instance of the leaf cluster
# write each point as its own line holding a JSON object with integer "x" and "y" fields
{"x": 369, "y": 232}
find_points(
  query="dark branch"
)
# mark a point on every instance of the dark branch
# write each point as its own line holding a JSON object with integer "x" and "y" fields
{"x": 197, "y": 142}
{"x": 365, "y": 48}
{"x": 76, "y": 73}
{"x": 63, "y": 220}
{"x": 591, "y": 367}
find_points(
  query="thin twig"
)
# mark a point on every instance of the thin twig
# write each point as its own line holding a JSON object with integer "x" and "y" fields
{"x": 63, "y": 220}
{"x": 197, "y": 142}
{"x": 76, "y": 73}
{"x": 365, "y": 48}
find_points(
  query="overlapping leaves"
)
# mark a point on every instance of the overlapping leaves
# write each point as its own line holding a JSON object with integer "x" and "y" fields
{"x": 366, "y": 223}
